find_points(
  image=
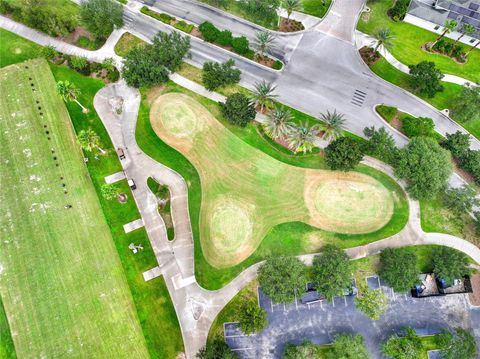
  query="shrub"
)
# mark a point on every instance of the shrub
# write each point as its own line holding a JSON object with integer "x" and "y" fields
{"x": 421, "y": 126}
{"x": 225, "y": 38}
{"x": 238, "y": 109}
{"x": 5, "y": 7}
{"x": 216, "y": 349}
{"x": 403, "y": 347}
{"x": 471, "y": 163}
{"x": 167, "y": 19}
{"x": 460, "y": 200}
{"x": 277, "y": 65}
{"x": 48, "y": 52}
{"x": 425, "y": 78}
{"x": 101, "y": 16}
{"x": 457, "y": 143}
{"x": 183, "y": 26}
{"x": 399, "y": 10}
{"x": 113, "y": 76}
{"x": 252, "y": 318}
{"x": 457, "y": 344}
{"x": 449, "y": 264}
{"x": 209, "y": 32}
{"x": 240, "y": 45}
{"x": 380, "y": 144}
{"x": 343, "y": 154}
{"x": 79, "y": 64}
{"x": 215, "y": 75}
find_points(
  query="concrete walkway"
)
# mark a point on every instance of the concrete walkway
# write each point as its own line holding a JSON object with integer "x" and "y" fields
{"x": 362, "y": 40}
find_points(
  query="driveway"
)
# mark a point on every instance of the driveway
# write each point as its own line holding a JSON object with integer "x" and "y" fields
{"x": 320, "y": 321}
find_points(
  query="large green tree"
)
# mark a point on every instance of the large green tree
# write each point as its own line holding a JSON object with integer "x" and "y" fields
{"x": 343, "y": 154}
{"x": 281, "y": 277}
{"x": 461, "y": 200}
{"x": 449, "y": 264}
{"x": 457, "y": 344}
{"x": 215, "y": 75}
{"x": 425, "y": 78}
{"x": 306, "y": 350}
{"x": 471, "y": 162}
{"x": 372, "y": 303}
{"x": 425, "y": 166}
{"x": 465, "y": 106}
{"x": 252, "y": 318}
{"x": 217, "y": 349}
{"x": 238, "y": 109}
{"x": 398, "y": 267}
{"x": 380, "y": 144}
{"x": 101, "y": 16}
{"x": 278, "y": 123}
{"x": 407, "y": 346}
{"x": 332, "y": 272}
{"x": 152, "y": 64}
{"x": 302, "y": 137}
{"x": 332, "y": 126}
{"x": 69, "y": 92}
{"x": 348, "y": 346}
{"x": 457, "y": 143}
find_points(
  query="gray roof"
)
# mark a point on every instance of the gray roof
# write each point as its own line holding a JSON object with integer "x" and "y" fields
{"x": 439, "y": 11}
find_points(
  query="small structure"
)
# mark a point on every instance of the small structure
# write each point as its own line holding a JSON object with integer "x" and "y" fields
{"x": 430, "y": 286}
{"x": 135, "y": 248}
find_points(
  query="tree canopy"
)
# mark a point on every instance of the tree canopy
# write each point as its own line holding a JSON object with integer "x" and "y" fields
{"x": 149, "y": 65}
{"x": 466, "y": 103}
{"x": 280, "y": 277}
{"x": 457, "y": 344}
{"x": 421, "y": 126}
{"x": 252, "y": 318}
{"x": 425, "y": 165}
{"x": 348, "y": 346}
{"x": 403, "y": 347}
{"x": 343, "y": 154}
{"x": 380, "y": 144}
{"x": 332, "y": 272}
{"x": 217, "y": 349}
{"x": 372, "y": 303}
{"x": 457, "y": 143}
{"x": 238, "y": 109}
{"x": 426, "y": 78}
{"x": 461, "y": 200}
{"x": 101, "y": 16}
{"x": 215, "y": 75}
{"x": 449, "y": 264}
{"x": 398, "y": 267}
{"x": 306, "y": 350}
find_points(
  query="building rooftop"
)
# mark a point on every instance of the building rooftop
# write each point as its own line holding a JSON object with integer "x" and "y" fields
{"x": 439, "y": 11}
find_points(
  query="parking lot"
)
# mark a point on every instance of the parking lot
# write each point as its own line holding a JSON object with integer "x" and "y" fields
{"x": 321, "y": 320}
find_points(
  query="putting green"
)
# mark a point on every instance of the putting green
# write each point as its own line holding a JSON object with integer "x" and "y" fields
{"x": 245, "y": 192}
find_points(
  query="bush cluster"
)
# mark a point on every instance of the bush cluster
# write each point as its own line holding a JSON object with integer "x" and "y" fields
{"x": 421, "y": 126}
{"x": 459, "y": 145}
{"x": 40, "y": 17}
{"x": 398, "y": 11}
{"x": 449, "y": 48}
{"x": 210, "y": 33}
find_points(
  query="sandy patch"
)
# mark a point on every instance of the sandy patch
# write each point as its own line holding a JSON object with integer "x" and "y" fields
{"x": 347, "y": 202}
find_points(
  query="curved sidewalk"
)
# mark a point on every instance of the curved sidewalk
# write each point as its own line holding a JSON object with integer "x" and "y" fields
{"x": 362, "y": 40}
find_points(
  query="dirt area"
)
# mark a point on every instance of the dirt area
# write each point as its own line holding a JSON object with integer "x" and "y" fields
{"x": 396, "y": 122}
{"x": 290, "y": 25}
{"x": 369, "y": 56}
{"x": 475, "y": 296}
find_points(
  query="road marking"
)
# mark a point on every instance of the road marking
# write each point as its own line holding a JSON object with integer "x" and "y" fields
{"x": 345, "y": 300}
{"x": 333, "y": 302}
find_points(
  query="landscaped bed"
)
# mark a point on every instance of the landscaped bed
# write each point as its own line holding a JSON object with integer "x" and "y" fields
{"x": 162, "y": 193}
{"x": 291, "y": 237}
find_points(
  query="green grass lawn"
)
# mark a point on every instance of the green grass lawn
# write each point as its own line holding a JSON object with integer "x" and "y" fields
{"x": 316, "y": 8}
{"x": 152, "y": 301}
{"x": 126, "y": 43}
{"x": 7, "y": 348}
{"x": 290, "y": 238}
{"x": 406, "y": 47}
{"x": 441, "y": 100}
{"x": 74, "y": 273}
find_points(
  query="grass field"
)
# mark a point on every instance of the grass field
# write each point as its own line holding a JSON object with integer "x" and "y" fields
{"x": 316, "y": 8}
{"x": 68, "y": 271}
{"x": 409, "y": 39}
{"x": 7, "y": 348}
{"x": 239, "y": 210}
{"x": 127, "y": 42}
{"x": 152, "y": 301}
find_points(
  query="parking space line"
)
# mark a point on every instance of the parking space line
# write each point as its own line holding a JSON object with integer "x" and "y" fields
{"x": 271, "y": 305}
{"x": 333, "y": 302}
{"x": 321, "y": 305}
{"x": 242, "y": 349}
{"x": 345, "y": 298}
{"x": 284, "y": 307}
{"x": 296, "y": 303}
{"x": 405, "y": 295}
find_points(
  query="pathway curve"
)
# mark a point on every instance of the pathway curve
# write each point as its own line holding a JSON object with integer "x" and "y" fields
{"x": 362, "y": 40}
{"x": 197, "y": 307}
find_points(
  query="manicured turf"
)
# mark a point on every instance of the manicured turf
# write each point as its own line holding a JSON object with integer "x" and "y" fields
{"x": 7, "y": 349}
{"x": 153, "y": 304}
{"x": 289, "y": 238}
{"x": 126, "y": 43}
{"x": 441, "y": 100}
{"x": 58, "y": 263}
{"x": 406, "y": 47}
{"x": 315, "y": 7}
{"x": 246, "y": 192}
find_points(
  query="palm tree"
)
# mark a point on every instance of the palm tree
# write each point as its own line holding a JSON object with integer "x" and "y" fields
{"x": 291, "y": 6}
{"x": 383, "y": 37}
{"x": 449, "y": 26}
{"x": 332, "y": 126}
{"x": 302, "y": 138}
{"x": 473, "y": 48}
{"x": 89, "y": 140}
{"x": 262, "y": 94}
{"x": 467, "y": 29}
{"x": 279, "y": 123}
{"x": 265, "y": 42}
{"x": 69, "y": 92}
